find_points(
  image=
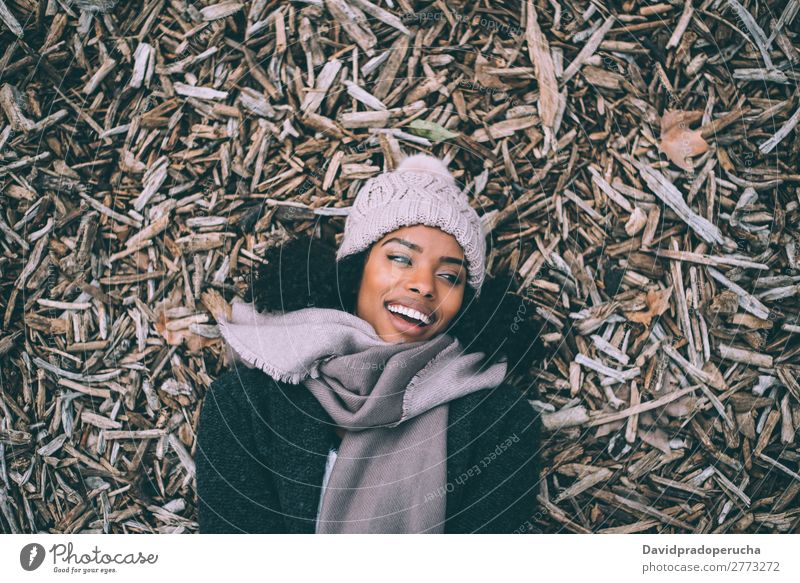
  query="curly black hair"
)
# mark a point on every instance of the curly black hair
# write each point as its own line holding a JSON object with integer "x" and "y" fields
{"x": 303, "y": 273}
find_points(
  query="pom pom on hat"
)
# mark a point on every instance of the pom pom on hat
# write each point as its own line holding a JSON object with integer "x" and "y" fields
{"x": 427, "y": 164}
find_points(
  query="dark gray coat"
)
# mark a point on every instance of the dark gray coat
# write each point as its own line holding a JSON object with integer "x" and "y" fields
{"x": 263, "y": 445}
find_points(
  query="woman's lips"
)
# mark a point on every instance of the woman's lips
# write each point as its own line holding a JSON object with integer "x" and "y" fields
{"x": 405, "y": 327}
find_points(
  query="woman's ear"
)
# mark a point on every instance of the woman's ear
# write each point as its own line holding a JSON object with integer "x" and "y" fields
{"x": 298, "y": 274}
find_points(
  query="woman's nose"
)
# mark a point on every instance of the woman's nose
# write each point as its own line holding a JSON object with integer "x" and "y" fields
{"x": 422, "y": 283}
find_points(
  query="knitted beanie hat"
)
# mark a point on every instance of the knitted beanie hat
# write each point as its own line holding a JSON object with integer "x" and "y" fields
{"x": 420, "y": 191}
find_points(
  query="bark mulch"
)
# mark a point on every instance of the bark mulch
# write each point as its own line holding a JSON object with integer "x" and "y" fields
{"x": 635, "y": 163}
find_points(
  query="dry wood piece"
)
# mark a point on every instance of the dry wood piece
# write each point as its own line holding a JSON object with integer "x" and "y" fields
{"x": 540, "y": 56}
{"x": 325, "y": 79}
{"x": 757, "y": 34}
{"x": 744, "y": 356}
{"x": 667, "y": 192}
{"x": 199, "y": 92}
{"x": 746, "y": 300}
{"x": 143, "y": 65}
{"x": 588, "y": 49}
{"x": 10, "y": 20}
{"x": 220, "y": 10}
{"x": 383, "y": 15}
{"x": 683, "y": 24}
{"x": 354, "y": 22}
{"x": 788, "y": 126}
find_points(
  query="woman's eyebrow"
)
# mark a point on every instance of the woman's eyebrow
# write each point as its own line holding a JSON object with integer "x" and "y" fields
{"x": 415, "y": 247}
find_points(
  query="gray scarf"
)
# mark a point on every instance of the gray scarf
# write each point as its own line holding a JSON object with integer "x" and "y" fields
{"x": 392, "y": 399}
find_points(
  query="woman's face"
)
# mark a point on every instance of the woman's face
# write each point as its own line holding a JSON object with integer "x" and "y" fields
{"x": 418, "y": 270}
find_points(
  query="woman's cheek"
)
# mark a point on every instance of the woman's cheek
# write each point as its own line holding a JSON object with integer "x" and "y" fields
{"x": 391, "y": 273}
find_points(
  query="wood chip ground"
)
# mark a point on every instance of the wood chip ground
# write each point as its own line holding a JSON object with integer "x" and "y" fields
{"x": 635, "y": 163}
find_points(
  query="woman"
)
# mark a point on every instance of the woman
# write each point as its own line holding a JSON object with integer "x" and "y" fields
{"x": 372, "y": 399}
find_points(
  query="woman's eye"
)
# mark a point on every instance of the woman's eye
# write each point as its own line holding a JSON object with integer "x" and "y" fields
{"x": 452, "y": 278}
{"x": 402, "y": 258}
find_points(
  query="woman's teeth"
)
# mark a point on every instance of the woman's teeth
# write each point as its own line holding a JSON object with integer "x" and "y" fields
{"x": 421, "y": 319}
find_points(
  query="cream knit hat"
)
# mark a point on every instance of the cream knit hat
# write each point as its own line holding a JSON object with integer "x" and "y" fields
{"x": 420, "y": 191}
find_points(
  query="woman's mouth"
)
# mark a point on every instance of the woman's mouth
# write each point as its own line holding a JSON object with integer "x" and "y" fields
{"x": 406, "y": 323}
